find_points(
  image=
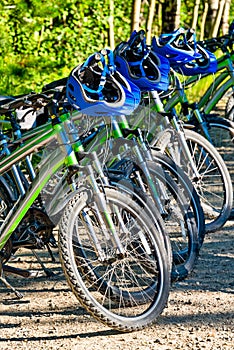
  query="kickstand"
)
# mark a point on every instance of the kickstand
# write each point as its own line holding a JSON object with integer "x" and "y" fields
{"x": 51, "y": 253}
{"x": 48, "y": 272}
{"x": 7, "y": 284}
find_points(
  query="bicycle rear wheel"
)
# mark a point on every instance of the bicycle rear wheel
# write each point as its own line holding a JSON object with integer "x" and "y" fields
{"x": 125, "y": 292}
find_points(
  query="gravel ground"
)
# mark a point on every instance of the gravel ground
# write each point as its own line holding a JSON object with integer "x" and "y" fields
{"x": 199, "y": 314}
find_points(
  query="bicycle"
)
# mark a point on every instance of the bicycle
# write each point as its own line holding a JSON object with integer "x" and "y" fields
{"x": 122, "y": 227}
{"x": 172, "y": 201}
{"x": 219, "y": 131}
{"x": 208, "y": 162}
{"x": 177, "y": 202}
{"x": 175, "y": 199}
{"x": 205, "y": 167}
{"x": 223, "y": 82}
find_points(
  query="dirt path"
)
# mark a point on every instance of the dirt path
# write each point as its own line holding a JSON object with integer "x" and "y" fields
{"x": 199, "y": 314}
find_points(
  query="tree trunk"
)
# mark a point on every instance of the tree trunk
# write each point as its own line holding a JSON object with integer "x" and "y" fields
{"x": 136, "y": 15}
{"x": 218, "y": 19}
{"x": 226, "y": 13}
{"x": 204, "y": 16}
{"x": 195, "y": 14}
{"x": 160, "y": 18}
{"x": 177, "y": 14}
{"x": 111, "y": 26}
{"x": 171, "y": 15}
{"x": 212, "y": 14}
{"x": 150, "y": 21}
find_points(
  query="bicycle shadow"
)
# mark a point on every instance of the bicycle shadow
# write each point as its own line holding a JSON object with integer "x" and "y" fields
{"x": 214, "y": 272}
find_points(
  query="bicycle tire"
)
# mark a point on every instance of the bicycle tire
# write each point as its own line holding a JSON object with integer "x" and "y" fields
{"x": 185, "y": 185}
{"x": 128, "y": 188}
{"x": 6, "y": 202}
{"x": 221, "y": 132}
{"x": 122, "y": 317}
{"x": 179, "y": 219}
{"x": 180, "y": 224}
{"x": 212, "y": 172}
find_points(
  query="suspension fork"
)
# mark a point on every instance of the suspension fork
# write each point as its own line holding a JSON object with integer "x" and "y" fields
{"x": 100, "y": 203}
{"x": 203, "y": 125}
{"x": 104, "y": 216}
{"x": 184, "y": 146}
{"x": 172, "y": 119}
{"x": 142, "y": 152}
{"x": 151, "y": 182}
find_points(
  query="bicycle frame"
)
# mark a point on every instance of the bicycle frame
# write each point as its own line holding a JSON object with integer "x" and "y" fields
{"x": 214, "y": 92}
{"x": 220, "y": 85}
{"x": 68, "y": 158}
{"x": 117, "y": 129}
{"x": 22, "y": 205}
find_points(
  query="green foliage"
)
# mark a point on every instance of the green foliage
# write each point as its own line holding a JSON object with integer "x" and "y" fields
{"x": 42, "y": 40}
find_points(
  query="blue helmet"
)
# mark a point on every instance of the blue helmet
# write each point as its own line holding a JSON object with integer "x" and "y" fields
{"x": 141, "y": 65}
{"x": 175, "y": 47}
{"x": 97, "y": 89}
{"x": 207, "y": 63}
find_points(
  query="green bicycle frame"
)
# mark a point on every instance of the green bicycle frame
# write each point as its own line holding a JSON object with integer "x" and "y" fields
{"x": 221, "y": 84}
{"x": 66, "y": 156}
{"x": 22, "y": 205}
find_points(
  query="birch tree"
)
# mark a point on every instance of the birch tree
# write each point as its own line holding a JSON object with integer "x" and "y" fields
{"x": 195, "y": 14}
{"x": 203, "y": 20}
{"x": 177, "y": 13}
{"x": 217, "y": 22}
{"x": 136, "y": 15}
{"x": 150, "y": 21}
{"x": 212, "y": 14}
{"x": 226, "y": 12}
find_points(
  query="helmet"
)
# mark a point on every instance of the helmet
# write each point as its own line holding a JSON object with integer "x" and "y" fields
{"x": 176, "y": 47}
{"x": 207, "y": 63}
{"x": 140, "y": 64}
{"x": 96, "y": 88}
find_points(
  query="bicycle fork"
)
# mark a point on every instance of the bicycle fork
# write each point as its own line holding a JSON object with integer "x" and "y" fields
{"x": 100, "y": 204}
{"x": 172, "y": 119}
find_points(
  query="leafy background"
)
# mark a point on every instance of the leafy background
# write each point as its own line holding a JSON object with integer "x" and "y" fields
{"x": 43, "y": 40}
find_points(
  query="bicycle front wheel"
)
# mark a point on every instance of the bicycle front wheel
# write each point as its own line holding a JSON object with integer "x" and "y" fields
{"x": 124, "y": 291}
{"x": 178, "y": 214}
{"x": 221, "y": 133}
{"x": 186, "y": 187}
{"x": 213, "y": 183}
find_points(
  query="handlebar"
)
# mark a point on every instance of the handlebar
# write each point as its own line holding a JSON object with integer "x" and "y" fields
{"x": 225, "y": 43}
{"x": 32, "y": 100}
